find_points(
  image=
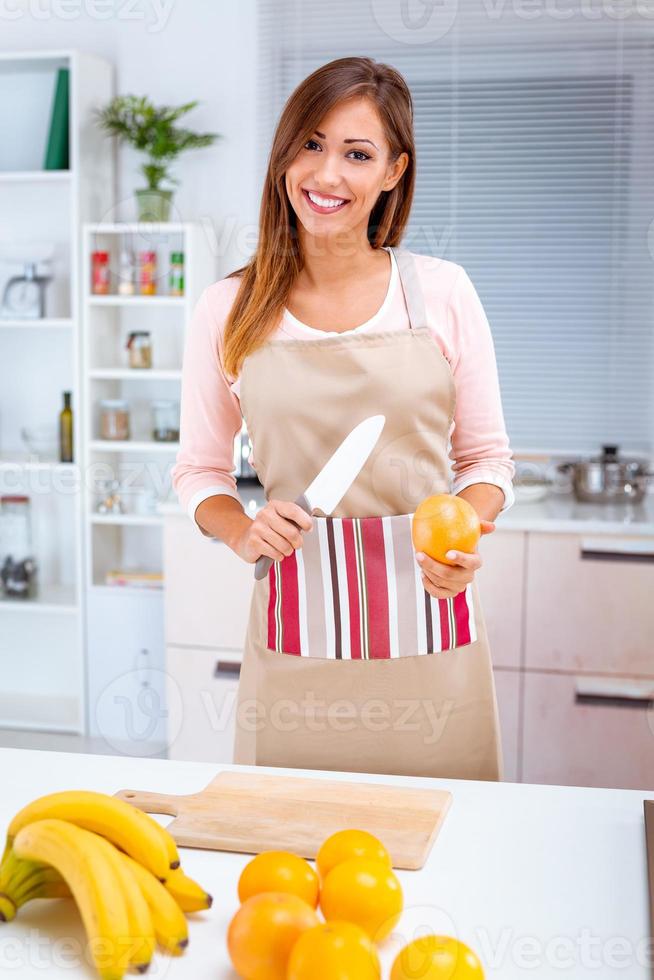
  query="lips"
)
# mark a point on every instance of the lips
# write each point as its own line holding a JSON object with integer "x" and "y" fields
{"x": 324, "y": 210}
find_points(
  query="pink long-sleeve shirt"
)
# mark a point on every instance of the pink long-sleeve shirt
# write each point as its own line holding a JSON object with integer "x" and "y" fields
{"x": 210, "y": 408}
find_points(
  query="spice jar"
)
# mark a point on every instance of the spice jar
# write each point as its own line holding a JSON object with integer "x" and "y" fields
{"x": 114, "y": 418}
{"x": 148, "y": 273}
{"x": 176, "y": 278}
{"x": 140, "y": 349}
{"x": 100, "y": 273}
{"x": 165, "y": 420}
{"x": 127, "y": 274}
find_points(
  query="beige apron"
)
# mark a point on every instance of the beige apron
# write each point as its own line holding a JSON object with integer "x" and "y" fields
{"x": 417, "y": 712}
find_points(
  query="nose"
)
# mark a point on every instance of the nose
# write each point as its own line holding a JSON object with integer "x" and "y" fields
{"x": 327, "y": 172}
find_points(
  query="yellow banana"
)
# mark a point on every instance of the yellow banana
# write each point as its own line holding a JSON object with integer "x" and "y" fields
{"x": 7, "y": 908}
{"x": 187, "y": 893}
{"x": 134, "y": 831}
{"x": 141, "y": 928}
{"x": 170, "y": 926}
{"x": 91, "y": 876}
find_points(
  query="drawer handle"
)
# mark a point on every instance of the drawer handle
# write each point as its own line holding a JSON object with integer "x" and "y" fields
{"x": 614, "y": 692}
{"x": 617, "y": 549}
{"x": 644, "y": 557}
{"x": 226, "y": 667}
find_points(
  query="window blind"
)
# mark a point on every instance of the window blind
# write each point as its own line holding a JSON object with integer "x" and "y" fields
{"x": 535, "y": 139}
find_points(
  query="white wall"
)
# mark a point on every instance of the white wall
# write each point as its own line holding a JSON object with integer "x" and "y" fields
{"x": 173, "y": 51}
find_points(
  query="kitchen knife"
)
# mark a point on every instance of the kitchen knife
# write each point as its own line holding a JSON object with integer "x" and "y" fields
{"x": 336, "y": 476}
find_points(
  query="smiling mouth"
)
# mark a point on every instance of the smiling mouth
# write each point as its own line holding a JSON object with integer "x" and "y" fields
{"x": 323, "y": 204}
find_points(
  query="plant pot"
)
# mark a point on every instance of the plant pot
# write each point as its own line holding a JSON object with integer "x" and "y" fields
{"x": 153, "y": 205}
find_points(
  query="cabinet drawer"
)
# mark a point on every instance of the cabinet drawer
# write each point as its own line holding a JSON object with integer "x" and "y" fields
{"x": 507, "y": 688}
{"x": 208, "y": 589}
{"x": 201, "y": 699}
{"x": 588, "y": 731}
{"x": 500, "y": 580}
{"x": 589, "y": 605}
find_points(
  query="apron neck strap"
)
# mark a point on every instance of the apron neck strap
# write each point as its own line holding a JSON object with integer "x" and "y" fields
{"x": 413, "y": 296}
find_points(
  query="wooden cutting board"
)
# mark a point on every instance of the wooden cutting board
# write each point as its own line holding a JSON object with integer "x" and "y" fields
{"x": 253, "y": 812}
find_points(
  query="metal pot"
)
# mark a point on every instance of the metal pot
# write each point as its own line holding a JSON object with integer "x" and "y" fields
{"x": 606, "y": 478}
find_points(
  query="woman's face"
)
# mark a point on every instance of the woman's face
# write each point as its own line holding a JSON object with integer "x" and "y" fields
{"x": 337, "y": 176}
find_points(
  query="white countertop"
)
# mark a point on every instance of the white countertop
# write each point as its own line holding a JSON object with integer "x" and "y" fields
{"x": 557, "y": 513}
{"x": 542, "y": 881}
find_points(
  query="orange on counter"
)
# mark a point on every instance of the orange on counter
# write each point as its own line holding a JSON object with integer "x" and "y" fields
{"x": 365, "y": 892}
{"x": 334, "y": 949}
{"x": 346, "y": 844}
{"x": 436, "y": 958}
{"x": 279, "y": 871}
{"x": 443, "y": 522}
{"x": 263, "y": 932}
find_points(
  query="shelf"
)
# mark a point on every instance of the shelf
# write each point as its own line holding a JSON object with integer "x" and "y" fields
{"x": 113, "y": 300}
{"x": 28, "y": 176}
{"x": 130, "y": 590}
{"x": 49, "y": 323}
{"x": 135, "y": 374}
{"x": 135, "y": 520}
{"x": 125, "y": 446}
{"x": 51, "y": 599}
{"x": 138, "y": 227}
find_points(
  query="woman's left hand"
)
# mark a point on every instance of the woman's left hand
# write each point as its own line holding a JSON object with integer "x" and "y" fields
{"x": 444, "y": 581}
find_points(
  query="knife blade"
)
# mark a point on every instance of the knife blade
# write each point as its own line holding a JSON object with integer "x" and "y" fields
{"x": 333, "y": 481}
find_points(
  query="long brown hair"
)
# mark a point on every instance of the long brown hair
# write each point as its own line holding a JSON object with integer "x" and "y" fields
{"x": 269, "y": 275}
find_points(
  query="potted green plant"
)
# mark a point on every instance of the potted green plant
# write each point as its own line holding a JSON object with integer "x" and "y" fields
{"x": 151, "y": 130}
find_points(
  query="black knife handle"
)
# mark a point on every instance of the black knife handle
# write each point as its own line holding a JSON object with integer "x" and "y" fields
{"x": 263, "y": 564}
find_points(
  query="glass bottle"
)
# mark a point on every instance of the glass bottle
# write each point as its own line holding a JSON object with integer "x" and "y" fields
{"x": 66, "y": 431}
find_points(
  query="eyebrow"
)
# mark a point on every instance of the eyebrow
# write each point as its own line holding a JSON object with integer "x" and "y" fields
{"x": 355, "y": 140}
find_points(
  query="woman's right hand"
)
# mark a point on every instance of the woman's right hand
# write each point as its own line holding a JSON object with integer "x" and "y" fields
{"x": 273, "y": 532}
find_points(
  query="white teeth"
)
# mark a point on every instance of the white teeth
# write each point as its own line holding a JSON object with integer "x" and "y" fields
{"x": 324, "y": 202}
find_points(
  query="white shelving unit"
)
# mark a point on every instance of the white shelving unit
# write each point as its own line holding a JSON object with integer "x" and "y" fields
{"x": 126, "y": 623}
{"x": 42, "y": 660}
{"x": 132, "y": 541}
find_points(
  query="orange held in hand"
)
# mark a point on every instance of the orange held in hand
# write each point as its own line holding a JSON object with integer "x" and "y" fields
{"x": 279, "y": 871}
{"x": 365, "y": 892}
{"x": 346, "y": 844}
{"x": 263, "y": 932}
{"x": 436, "y": 958}
{"x": 334, "y": 949}
{"x": 445, "y": 522}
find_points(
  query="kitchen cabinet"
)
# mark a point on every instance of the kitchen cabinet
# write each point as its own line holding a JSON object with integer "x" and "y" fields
{"x": 208, "y": 593}
{"x": 507, "y": 689}
{"x": 201, "y": 690}
{"x": 585, "y": 731}
{"x": 589, "y": 603}
{"x": 501, "y": 590}
{"x": 126, "y": 677}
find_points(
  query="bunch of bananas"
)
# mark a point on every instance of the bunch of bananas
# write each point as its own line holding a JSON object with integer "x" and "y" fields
{"x": 119, "y": 865}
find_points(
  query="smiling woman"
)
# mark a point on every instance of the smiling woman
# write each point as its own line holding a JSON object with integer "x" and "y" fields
{"x": 353, "y": 659}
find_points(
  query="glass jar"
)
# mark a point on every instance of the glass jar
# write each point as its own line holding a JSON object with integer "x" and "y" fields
{"x": 17, "y": 566}
{"x": 140, "y": 349}
{"x": 148, "y": 273}
{"x": 100, "y": 273}
{"x": 165, "y": 420}
{"x": 176, "y": 278}
{"x": 114, "y": 419}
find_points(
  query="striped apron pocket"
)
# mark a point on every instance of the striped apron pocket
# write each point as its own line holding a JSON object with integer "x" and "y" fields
{"x": 354, "y": 592}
